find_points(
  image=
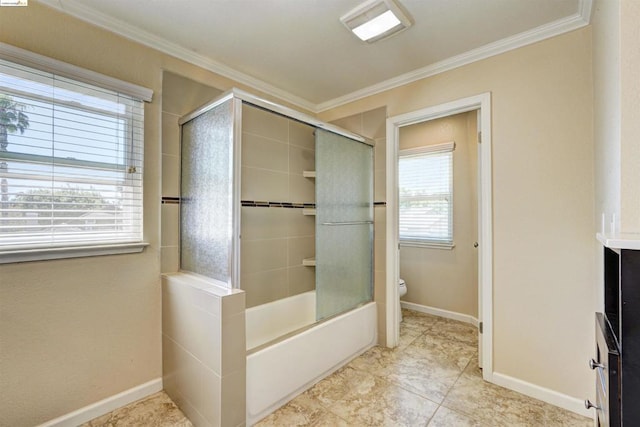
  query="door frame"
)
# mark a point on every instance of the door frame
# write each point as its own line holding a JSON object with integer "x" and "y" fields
{"x": 482, "y": 103}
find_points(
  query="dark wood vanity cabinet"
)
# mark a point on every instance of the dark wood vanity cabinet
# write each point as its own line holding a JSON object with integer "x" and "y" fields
{"x": 606, "y": 363}
{"x": 617, "y": 358}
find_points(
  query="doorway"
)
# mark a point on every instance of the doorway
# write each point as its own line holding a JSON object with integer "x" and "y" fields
{"x": 481, "y": 103}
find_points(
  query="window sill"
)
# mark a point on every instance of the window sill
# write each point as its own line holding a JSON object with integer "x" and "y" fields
{"x": 44, "y": 254}
{"x": 428, "y": 245}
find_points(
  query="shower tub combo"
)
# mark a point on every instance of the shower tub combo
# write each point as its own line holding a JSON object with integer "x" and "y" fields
{"x": 294, "y": 333}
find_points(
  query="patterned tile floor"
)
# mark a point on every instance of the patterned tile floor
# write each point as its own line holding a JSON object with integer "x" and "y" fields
{"x": 430, "y": 379}
{"x": 157, "y": 410}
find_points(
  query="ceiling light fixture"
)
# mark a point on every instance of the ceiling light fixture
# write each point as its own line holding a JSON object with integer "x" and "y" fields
{"x": 376, "y": 19}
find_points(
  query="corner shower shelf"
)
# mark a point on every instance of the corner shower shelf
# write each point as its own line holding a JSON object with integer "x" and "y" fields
{"x": 309, "y": 174}
{"x": 309, "y": 262}
{"x": 309, "y": 211}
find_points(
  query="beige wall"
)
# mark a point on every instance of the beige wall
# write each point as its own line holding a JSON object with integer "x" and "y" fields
{"x": 372, "y": 124}
{"x": 73, "y": 332}
{"x": 275, "y": 152}
{"x": 606, "y": 123}
{"x": 630, "y": 116}
{"x": 442, "y": 278}
{"x": 544, "y": 248}
{"x": 617, "y": 112}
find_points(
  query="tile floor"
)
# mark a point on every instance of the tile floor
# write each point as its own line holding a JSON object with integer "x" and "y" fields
{"x": 157, "y": 410}
{"x": 430, "y": 379}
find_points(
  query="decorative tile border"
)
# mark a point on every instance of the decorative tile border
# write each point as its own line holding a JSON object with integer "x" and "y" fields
{"x": 170, "y": 200}
{"x": 261, "y": 204}
{"x": 289, "y": 205}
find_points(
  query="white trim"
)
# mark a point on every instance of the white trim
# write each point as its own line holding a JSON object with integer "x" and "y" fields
{"x": 485, "y": 249}
{"x": 543, "y": 32}
{"x": 584, "y": 10}
{"x": 44, "y": 63}
{"x": 552, "y": 397}
{"x": 466, "y": 318}
{"x": 445, "y": 147}
{"x": 105, "y": 406}
{"x": 619, "y": 240}
{"x": 44, "y": 254}
{"x": 392, "y": 235}
{"x": 552, "y": 29}
{"x": 428, "y": 244}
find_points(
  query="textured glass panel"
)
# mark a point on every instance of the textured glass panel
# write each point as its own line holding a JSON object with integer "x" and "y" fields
{"x": 206, "y": 215}
{"x": 344, "y": 223}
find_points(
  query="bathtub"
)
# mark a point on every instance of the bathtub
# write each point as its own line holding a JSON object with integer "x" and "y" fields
{"x": 278, "y": 372}
{"x": 267, "y": 322}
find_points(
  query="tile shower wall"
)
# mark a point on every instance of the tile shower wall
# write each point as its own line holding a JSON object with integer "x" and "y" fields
{"x": 275, "y": 152}
{"x": 372, "y": 124}
{"x": 180, "y": 95}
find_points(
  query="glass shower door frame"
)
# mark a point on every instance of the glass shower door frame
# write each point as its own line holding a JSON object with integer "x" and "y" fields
{"x": 233, "y": 245}
{"x": 344, "y": 224}
{"x": 234, "y": 268}
{"x": 236, "y": 97}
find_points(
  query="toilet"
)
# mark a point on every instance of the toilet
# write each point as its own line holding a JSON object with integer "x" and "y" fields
{"x": 402, "y": 291}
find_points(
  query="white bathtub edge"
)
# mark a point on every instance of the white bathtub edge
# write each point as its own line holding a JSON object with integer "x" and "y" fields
{"x": 304, "y": 388}
{"x": 278, "y": 359}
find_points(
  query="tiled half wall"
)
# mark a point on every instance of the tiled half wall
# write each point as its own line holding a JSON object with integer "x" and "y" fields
{"x": 203, "y": 350}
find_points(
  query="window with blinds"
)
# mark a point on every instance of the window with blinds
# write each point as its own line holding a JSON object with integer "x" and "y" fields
{"x": 426, "y": 195}
{"x": 71, "y": 158}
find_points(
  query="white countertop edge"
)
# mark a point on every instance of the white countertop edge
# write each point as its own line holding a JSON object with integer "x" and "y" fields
{"x": 620, "y": 240}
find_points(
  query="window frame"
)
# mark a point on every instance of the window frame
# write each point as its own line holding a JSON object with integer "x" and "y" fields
{"x": 39, "y": 252}
{"x": 447, "y": 148}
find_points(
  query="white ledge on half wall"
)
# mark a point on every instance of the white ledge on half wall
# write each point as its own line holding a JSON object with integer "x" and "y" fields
{"x": 620, "y": 240}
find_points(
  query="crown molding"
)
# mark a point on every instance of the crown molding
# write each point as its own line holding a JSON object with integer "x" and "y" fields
{"x": 570, "y": 23}
{"x": 552, "y": 29}
{"x": 84, "y": 13}
{"x": 585, "y": 7}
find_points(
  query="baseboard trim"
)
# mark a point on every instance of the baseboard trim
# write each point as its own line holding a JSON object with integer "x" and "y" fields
{"x": 546, "y": 395}
{"x": 440, "y": 312}
{"x": 105, "y": 406}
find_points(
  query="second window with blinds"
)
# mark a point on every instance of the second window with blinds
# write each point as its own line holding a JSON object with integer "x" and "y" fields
{"x": 426, "y": 196}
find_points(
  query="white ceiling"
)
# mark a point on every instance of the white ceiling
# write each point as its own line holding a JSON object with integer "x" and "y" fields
{"x": 299, "y": 50}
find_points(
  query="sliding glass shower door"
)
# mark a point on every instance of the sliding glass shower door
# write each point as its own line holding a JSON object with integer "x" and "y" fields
{"x": 344, "y": 223}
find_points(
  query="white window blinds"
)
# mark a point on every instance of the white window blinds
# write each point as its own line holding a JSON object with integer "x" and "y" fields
{"x": 71, "y": 157}
{"x": 426, "y": 195}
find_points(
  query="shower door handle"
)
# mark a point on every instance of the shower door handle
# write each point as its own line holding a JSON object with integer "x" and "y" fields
{"x": 347, "y": 223}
